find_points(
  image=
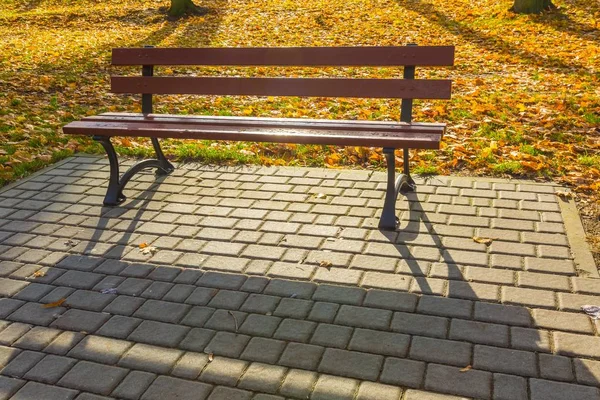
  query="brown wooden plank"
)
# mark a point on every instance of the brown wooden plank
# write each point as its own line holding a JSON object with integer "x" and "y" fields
{"x": 325, "y": 137}
{"x": 288, "y": 56}
{"x": 258, "y": 122}
{"x": 303, "y": 87}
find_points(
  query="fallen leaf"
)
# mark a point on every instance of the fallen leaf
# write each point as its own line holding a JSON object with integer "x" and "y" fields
{"x": 320, "y": 196}
{"x": 55, "y": 304}
{"x": 143, "y": 245}
{"x": 71, "y": 242}
{"x": 565, "y": 195}
{"x": 149, "y": 250}
{"x": 37, "y": 274}
{"x": 326, "y": 264}
{"x": 211, "y": 357}
{"x": 483, "y": 240}
{"x": 467, "y": 368}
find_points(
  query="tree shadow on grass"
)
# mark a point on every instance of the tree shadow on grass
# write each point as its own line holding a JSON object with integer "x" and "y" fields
{"x": 488, "y": 42}
{"x": 562, "y": 22}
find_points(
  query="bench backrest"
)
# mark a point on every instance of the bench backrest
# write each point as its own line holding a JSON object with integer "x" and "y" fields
{"x": 407, "y": 56}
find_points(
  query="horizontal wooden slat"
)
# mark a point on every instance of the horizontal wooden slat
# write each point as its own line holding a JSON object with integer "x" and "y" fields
{"x": 272, "y": 123}
{"x": 303, "y": 87}
{"x": 288, "y": 56}
{"x": 254, "y": 134}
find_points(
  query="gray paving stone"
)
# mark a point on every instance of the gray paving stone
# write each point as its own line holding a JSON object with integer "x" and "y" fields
{"x": 150, "y": 358}
{"x": 351, "y": 364}
{"x": 34, "y": 390}
{"x": 134, "y": 384}
{"x": 7, "y": 306}
{"x": 295, "y": 330}
{"x": 89, "y": 300}
{"x": 420, "y": 324}
{"x": 50, "y": 369}
{"x": 509, "y": 387}
{"x": 472, "y": 383}
{"x": 162, "y": 311}
{"x": 364, "y": 317}
{"x": 323, "y": 312}
{"x": 100, "y": 349}
{"x": 119, "y": 327}
{"x": 37, "y": 338}
{"x": 223, "y": 371}
{"x": 442, "y": 351}
{"x": 263, "y": 350}
{"x": 334, "y": 388}
{"x": 190, "y": 365}
{"x": 225, "y": 393}
{"x": 530, "y": 339}
{"x": 159, "y": 333}
{"x": 385, "y": 343}
{"x": 227, "y": 344}
{"x": 201, "y": 296}
{"x": 124, "y": 305}
{"x": 197, "y": 339}
{"x": 157, "y": 290}
{"x": 499, "y": 313}
{"x": 286, "y": 288}
{"x": 555, "y": 367}
{"x": 13, "y": 332}
{"x": 262, "y": 378}
{"x": 10, "y": 287}
{"x": 8, "y": 386}
{"x": 549, "y": 390}
{"x": 298, "y": 383}
{"x": 377, "y": 391}
{"x": 226, "y": 320}
{"x": 479, "y": 332}
{"x": 197, "y": 316}
{"x": 390, "y": 300}
{"x": 84, "y": 376}
{"x": 22, "y": 363}
{"x": 133, "y": 286}
{"x": 34, "y": 313}
{"x": 332, "y": 336}
{"x": 304, "y": 356}
{"x": 228, "y": 299}
{"x": 339, "y": 294}
{"x": 509, "y": 361}
{"x": 64, "y": 343}
{"x": 166, "y": 387}
{"x": 403, "y": 372}
{"x": 79, "y": 320}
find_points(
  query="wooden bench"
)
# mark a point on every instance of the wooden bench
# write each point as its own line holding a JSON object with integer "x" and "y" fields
{"x": 387, "y": 135}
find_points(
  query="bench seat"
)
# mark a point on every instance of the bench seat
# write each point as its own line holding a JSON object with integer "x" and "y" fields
{"x": 253, "y": 129}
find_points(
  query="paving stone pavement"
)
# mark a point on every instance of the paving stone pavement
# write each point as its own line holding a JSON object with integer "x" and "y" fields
{"x": 274, "y": 283}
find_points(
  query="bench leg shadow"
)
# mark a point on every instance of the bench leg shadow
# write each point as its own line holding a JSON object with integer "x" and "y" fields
{"x": 116, "y": 184}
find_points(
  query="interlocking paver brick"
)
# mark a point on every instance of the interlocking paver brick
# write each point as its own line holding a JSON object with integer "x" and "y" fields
{"x": 8, "y": 386}
{"x": 225, "y": 393}
{"x": 150, "y": 358}
{"x": 260, "y": 325}
{"x": 197, "y": 339}
{"x": 34, "y": 390}
{"x": 555, "y": 367}
{"x": 89, "y": 300}
{"x": 420, "y": 324}
{"x": 84, "y": 376}
{"x": 446, "y": 379}
{"x": 298, "y": 383}
{"x": 197, "y": 316}
{"x": 570, "y": 344}
{"x": 223, "y": 371}
{"x": 294, "y": 308}
{"x": 479, "y": 332}
{"x": 445, "y": 307}
{"x": 80, "y": 320}
{"x": 190, "y": 365}
{"x": 442, "y": 351}
{"x": 530, "y": 339}
{"x": 386, "y": 343}
{"x": 157, "y": 290}
{"x": 548, "y": 390}
{"x": 10, "y": 287}
{"x": 550, "y": 266}
{"x": 499, "y": 313}
{"x": 295, "y": 330}
{"x": 587, "y": 371}
{"x": 100, "y": 349}
{"x": 162, "y": 311}
{"x": 13, "y": 333}
{"x": 386, "y": 281}
{"x": 124, "y": 305}
{"x": 261, "y": 304}
{"x": 64, "y": 343}
{"x": 363, "y": 317}
{"x": 22, "y": 363}
{"x": 509, "y": 361}
{"x": 50, "y": 369}
{"x": 134, "y": 384}
{"x": 34, "y": 313}
{"x": 558, "y": 320}
{"x": 8, "y": 306}
{"x": 403, "y": 372}
{"x": 351, "y": 364}
{"x": 543, "y": 281}
{"x": 509, "y": 387}
{"x": 334, "y": 388}
{"x": 299, "y": 355}
{"x": 430, "y": 286}
{"x": 573, "y": 302}
{"x": 263, "y": 350}
{"x": 331, "y": 336}
{"x": 227, "y": 344}
{"x": 220, "y": 280}
{"x": 133, "y": 286}
{"x": 285, "y": 288}
{"x": 166, "y": 387}
{"x": 262, "y": 378}
{"x": 37, "y": 338}
{"x": 225, "y": 320}
{"x": 159, "y": 333}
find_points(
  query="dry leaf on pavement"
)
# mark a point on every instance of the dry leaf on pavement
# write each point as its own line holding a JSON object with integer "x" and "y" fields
{"x": 55, "y": 304}
{"x": 483, "y": 240}
{"x": 465, "y": 369}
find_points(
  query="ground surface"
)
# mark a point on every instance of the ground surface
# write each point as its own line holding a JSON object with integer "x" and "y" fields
{"x": 272, "y": 283}
{"x": 525, "y": 98}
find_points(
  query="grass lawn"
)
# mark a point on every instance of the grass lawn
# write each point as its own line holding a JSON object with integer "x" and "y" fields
{"x": 526, "y": 96}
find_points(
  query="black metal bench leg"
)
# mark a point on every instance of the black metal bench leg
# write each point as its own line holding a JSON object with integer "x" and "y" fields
{"x": 404, "y": 183}
{"x": 114, "y": 193}
{"x": 166, "y": 167}
{"x": 116, "y": 184}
